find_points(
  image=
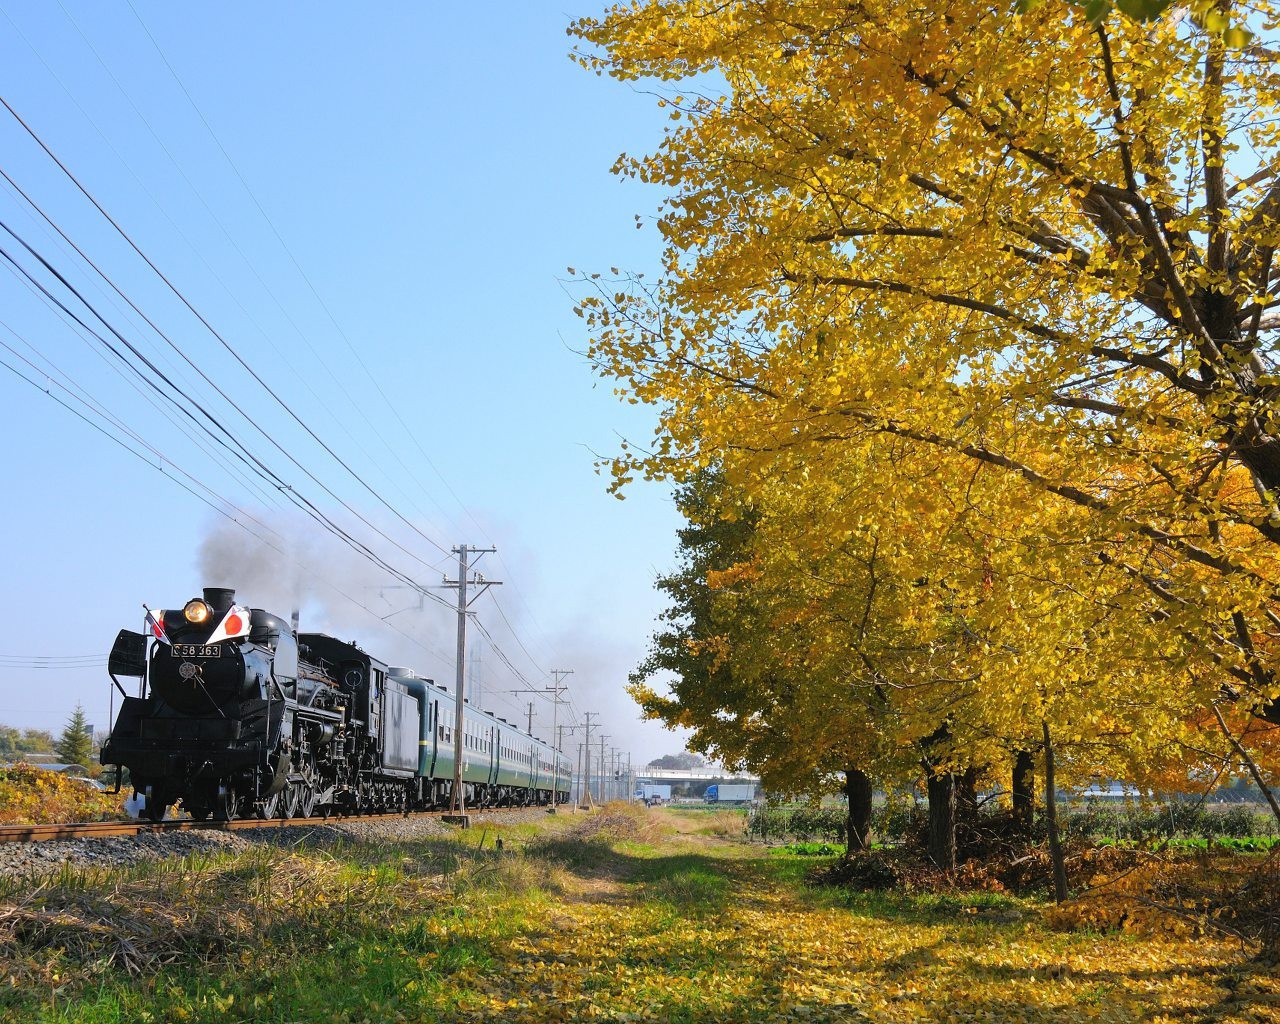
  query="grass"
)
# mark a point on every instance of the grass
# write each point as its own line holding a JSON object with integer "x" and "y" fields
{"x": 626, "y": 914}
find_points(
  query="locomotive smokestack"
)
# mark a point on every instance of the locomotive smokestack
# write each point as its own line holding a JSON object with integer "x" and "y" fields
{"x": 293, "y": 620}
{"x": 220, "y": 599}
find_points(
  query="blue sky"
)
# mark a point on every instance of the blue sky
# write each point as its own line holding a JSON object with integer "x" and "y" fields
{"x": 377, "y": 218}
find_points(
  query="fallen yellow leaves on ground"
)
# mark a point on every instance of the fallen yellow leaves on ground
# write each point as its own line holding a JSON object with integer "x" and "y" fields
{"x": 623, "y": 915}
{"x": 772, "y": 952}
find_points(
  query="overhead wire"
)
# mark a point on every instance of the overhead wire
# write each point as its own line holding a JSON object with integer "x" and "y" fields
{"x": 231, "y": 442}
{"x": 319, "y": 360}
{"x": 281, "y": 551}
{"x": 182, "y": 354}
{"x": 502, "y": 656}
{"x": 66, "y": 311}
{"x": 387, "y": 404}
{"x": 220, "y": 458}
{"x": 230, "y": 349}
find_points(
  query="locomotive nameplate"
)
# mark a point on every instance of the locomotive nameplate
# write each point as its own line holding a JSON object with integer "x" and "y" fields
{"x": 197, "y": 650}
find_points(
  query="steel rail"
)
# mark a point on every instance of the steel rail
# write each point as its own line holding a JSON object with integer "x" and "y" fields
{"x": 112, "y": 829}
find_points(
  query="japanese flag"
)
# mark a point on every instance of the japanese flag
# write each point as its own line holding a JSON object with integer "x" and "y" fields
{"x": 234, "y": 623}
{"x": 155, "y": 623}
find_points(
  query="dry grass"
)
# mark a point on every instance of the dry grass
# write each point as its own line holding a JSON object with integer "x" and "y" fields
{"x": 722, "y": 824}
{"x": 200, "y": 910}
{"x": 619, "y": 819}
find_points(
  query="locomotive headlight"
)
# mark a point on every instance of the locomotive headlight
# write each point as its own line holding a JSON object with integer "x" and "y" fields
{"x": 196, "y": 611}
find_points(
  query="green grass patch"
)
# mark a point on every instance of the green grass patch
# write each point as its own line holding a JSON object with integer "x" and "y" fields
{"x": 579, "y": 919}
{"x": 810, "y": 849}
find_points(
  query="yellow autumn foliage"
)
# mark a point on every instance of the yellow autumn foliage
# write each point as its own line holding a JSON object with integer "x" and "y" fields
{"x": 30, "y": 795}
{"x": 975, "y": 312}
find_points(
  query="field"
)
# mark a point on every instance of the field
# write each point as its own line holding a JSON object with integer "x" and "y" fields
{"x": 623, "y": 915}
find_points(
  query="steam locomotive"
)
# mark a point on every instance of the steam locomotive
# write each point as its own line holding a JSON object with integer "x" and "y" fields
{"x": 238, "y": 714}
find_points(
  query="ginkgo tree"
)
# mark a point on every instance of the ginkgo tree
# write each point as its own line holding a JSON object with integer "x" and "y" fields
{"x": 871, "y": 613}
{"x": 1039, "y": 244}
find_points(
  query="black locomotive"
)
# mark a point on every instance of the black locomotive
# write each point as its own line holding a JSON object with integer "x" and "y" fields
{"x": 239, "y": 714}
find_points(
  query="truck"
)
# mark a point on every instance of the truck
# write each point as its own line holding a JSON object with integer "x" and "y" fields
{"x": 727, "y": 792}
{"x": 653, "y": 794}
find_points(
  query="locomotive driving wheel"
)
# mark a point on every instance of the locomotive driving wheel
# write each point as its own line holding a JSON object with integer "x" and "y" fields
{"x": 289, "y": 801}
{"x": 226, "y": 805}
{"x": 306, "y": 800}
{"x": 269, "y": 807}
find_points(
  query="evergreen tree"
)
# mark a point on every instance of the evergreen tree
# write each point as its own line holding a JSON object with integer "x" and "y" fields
{"x": 75, "y": 745}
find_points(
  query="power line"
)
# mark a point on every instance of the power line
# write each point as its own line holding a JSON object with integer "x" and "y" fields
{"x": 262, "y": 469}
{"x": 387, "y": 403}
{"x": 358, "y": 407}
{"x": 240, "y": 449}
{"x": 302, "y": 565}
{"x": 213, "y": 331}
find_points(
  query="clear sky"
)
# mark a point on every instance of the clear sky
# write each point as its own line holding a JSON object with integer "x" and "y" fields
{"x": 374, "y": 206}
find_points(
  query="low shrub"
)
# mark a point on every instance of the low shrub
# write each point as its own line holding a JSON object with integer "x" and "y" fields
{"x": 30, "y": 795}
{"x": 1149, "y": 822}
{"x": 817, "y": 823}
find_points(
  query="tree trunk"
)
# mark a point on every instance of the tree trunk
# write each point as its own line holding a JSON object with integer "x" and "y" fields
{"x": 1024, "y": 793}
{"x": 857, "y": 786}
{"x": 942, "y": 819}
{"x": 967, "y": 796}
{"x": 1051, "y": 819}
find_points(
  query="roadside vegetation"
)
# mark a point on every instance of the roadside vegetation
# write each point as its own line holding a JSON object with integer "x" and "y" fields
{"x": 625, "y": 914}
{"x": 31, "y": 795}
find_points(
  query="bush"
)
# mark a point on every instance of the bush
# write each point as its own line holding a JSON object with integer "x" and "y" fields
{"x": 866, "y": 872}
{"x": 898, "y": 822}
{"x": 798, "y": 823}
{"x": 36, "y": 796}
{"x": 1140, "y": 823}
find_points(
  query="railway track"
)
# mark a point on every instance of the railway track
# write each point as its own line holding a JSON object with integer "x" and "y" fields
{"x": 109, "y": 829}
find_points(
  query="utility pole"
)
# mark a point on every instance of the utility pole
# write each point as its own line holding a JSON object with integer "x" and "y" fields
{"x": 559, "y": 751}
{"x": 600, "y": 785}
{"x": 586, "y": 763}
{"x": 559, "y": 673}
{"x": 579, "y": 771}
{"x": 457, "y": 801}
{"x": 555, "y": 692}
{"x": 529, "y": 727}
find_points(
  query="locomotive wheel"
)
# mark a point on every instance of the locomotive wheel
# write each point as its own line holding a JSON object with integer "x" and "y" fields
{"x": 269, "y": 807}
{"x": 306, "y": 801}
{"x": 154, "y": 810}
{"x": 289, "y": 801}
{"x": 225, "y": 806}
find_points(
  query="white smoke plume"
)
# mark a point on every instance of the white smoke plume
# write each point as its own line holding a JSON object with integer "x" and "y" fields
{"x": 335, "y": 589}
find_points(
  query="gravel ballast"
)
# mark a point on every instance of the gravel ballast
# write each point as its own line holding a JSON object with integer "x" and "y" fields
{"x": 28, "y": 859}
